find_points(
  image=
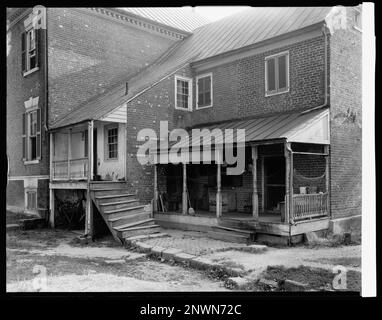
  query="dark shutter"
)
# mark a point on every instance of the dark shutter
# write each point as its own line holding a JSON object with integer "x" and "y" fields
{"x": 86, "y": 143}
{"x": 37, "y": 42}
{"x": 38, "y": 135}
{"x": 24, "y": 136}
{"x": 23, "y": 51}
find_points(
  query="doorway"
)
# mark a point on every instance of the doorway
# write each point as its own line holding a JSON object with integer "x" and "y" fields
{"x": 274, "y": 183}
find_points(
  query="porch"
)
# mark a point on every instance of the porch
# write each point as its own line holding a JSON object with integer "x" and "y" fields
{"x": 85, "y": 158}
{"x": 283, "y": 190}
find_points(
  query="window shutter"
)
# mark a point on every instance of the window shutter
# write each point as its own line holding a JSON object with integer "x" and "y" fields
{"x": 23, "y": 51}
{"x": 37, "y": 42}
{"x": 24, "y": 136}
{"x": 86, "y": 143}
{"x": 38, "y": 135}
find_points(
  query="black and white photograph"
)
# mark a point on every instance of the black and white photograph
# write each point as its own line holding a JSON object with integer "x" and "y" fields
{"x": 190, "y": 149}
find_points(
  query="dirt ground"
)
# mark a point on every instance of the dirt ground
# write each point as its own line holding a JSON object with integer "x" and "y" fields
{"x": 102, "y": 266}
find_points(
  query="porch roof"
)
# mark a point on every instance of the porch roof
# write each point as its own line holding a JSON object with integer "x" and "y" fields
{"x": 306, "y": 127}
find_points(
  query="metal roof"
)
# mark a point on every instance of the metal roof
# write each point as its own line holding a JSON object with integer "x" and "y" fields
{"x": 182, "y": 18}
{"x": 282, "y": 126}
{"x": 248, "y": 27}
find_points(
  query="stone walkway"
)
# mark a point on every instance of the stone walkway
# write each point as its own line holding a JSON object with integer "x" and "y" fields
{"x": 191, "y": 242}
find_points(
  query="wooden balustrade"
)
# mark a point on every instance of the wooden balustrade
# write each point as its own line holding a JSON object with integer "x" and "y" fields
{"x": 307, "y": 206}
{"x": 78, "y": 169}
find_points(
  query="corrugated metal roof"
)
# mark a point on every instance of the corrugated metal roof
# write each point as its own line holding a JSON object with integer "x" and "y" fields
{"x": 281, "y": 126}
{"x": 182, "y": 18}
{"x": 245, "y": 28}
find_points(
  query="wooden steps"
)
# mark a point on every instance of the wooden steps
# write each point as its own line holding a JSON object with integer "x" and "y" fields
{"x": 240, "y": 234}
{"x": 227, "y": 236}
{"x": 121, "y": 211}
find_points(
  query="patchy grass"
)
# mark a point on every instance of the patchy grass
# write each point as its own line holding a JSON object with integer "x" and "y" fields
{"x": 317, "y": 278}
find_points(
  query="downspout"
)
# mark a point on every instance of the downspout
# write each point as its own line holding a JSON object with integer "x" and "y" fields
{"x": 325, "y": 72}
{"x": 46, "y": 72}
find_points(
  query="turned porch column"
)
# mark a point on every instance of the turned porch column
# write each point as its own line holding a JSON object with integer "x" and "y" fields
{"x": 255, "y": 199}
{"x": 288, "y": 186}
{"x": 184, "y": 194}
{"x": 327, "y": 178}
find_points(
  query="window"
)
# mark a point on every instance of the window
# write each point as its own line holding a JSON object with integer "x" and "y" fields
{"x": 277, "y": 74}
{"x": 183, "y": 93}
{"x": 31, "y": 197}
{"x": 204, "y": 91}
{"x": 29, "y": 50}
{"x": 357, "y": 19}
{"x": 112, "y": 143}
{"x": 32, "y": 135}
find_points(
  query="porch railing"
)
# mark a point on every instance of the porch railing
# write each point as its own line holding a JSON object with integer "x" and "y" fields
{"x": 307, "y": 206}
{"x": 73, "y": 169}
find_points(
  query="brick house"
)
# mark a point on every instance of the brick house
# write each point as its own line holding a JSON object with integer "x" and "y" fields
{"x": 291, "y": 77}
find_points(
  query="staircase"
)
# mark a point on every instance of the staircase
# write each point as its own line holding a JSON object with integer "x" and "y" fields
{"x": 121, "y": 211}
{"x": 234, "y": 230}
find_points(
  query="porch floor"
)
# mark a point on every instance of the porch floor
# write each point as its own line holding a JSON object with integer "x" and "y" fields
{"x": 263, "y": 216}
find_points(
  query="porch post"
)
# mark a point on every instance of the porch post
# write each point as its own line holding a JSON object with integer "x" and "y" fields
{"x": 218, "y": 191}
{"x": 51, "y": 191}
{"x": 89, "y": 226}
{"x": 51, "y": 155}
{"x": 184, "y": 194}
{"x": 90, "y": 150}
{"x": 69, "y": 150}
{"x": 51, "y": 206}
{"x": 285, "y": 218}
{"x": 155, "y": 204}
{"x": 255, "y": 200}
{"x": 327, "y": 179}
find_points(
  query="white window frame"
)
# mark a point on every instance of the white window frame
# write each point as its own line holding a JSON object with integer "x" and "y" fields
{"x": 27, "y": 49}
{"x": 28, "y": 113}
{"x": 106, "y": 138}
{"x": 189, "y": 80}
{"x": 31, "y": 190}
{"x": 277, "y": 90}
{"x": 205, "y": 75}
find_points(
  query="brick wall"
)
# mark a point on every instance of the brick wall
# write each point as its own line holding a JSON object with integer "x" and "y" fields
{"x": 345, "y": 119}
{"x": 239, "y": 86}
{"x": 89, "y": 52}
{"x": 19, "y": 90}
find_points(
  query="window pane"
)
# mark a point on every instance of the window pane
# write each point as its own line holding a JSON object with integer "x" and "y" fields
{"x": 271, "y": 75}
{"x": 204, "y": 91}
{"x": 33, "y": 123}
{"x": 112, "y": 142}
{"x": 33, "y": 141}
{"x": 182, "y": 90}
{"x": 282, "y": 72}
